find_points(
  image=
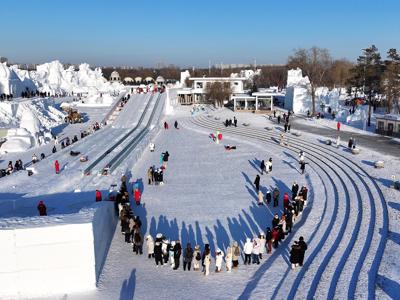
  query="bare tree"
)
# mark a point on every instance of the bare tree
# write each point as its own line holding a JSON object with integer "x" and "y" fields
{"x": 271, "y": 76}
{"x": 217, "y": 92}
{"x": 339, "y": 73}
{"x": 315, "y": 63}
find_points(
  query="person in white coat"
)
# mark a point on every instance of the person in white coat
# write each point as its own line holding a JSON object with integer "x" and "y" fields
{"x": 150, "y": 246}
{"x": 164, "y": 249}
{"x": 262, "y": 245}
{"x": 207, "y": 262}
{"x": 219, "y": 256}
{"x": 196, "y": 258}
{"x": 248, "y": 250}
{"x": 171, "y": 254}
{"x": 268, "y": 165}
{"x": 301, "y": 156}
{"x": 256, "y": 250}
{"x": 228, "y": 259}
{"x": 260, "y": 198}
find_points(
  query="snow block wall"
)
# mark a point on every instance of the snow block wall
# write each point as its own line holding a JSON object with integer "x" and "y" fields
{"x": 55, "y": 258}
{"x": 298, "y": 97}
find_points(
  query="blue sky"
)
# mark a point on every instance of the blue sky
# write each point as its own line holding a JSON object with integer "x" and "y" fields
{"x": 190, "y": 33}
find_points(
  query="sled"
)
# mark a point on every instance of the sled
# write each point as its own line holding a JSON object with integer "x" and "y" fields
{"x": 31, "y": 171}
{"x": 105, "y": 171}
{"x": 228, "y": 147}
{"x": 74, "y": 153}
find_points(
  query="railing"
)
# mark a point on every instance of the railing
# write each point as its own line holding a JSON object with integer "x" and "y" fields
{"x": 88, "y": 170}
{"x": 120, "y": 157}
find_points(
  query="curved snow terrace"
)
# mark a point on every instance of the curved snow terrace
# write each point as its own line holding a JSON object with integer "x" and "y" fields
{"x": 69, "y": 191}
{"x": 209, "y": 197}
{"x": 345, "y": 258}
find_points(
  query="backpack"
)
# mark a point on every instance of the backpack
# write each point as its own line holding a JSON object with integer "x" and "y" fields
{"x": 198, "y": 256}
{"x": 237, "y": 252}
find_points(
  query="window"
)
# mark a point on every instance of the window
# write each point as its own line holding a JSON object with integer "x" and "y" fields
{"x": 381, "y": 125}
{"x": 398, "y": 128}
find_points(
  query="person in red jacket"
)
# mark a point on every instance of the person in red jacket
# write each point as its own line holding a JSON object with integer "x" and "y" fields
{"x": 286, "y": 200}
{"x": 98, "y": 196}
{"x": 275, "y": 236}
{"x": 137, "y": 196}
{"x": 42, "y": 209}
{"x": 57, "y": 167}
{"x": 338, "y": 126}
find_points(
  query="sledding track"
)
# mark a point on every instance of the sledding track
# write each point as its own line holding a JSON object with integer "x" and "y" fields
{"x": 346, "y": 250}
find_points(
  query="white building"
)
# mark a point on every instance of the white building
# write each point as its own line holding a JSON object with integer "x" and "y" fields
{"x": 197, "y": 93}
{"x": 261, "y": 101}
{"x": 115, "y": 76}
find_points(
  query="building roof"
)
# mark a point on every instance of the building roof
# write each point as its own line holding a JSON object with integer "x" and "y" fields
{"x": 217, "y": 78}
{"x": 392, "y": 117}
{"x": 260, "y": 94}
{"x": 114, "y": 74}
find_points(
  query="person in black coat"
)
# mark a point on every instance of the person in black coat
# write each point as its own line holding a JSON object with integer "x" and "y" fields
{"x": 268, "y": 197}
{"x": 275, "y": 221}
{"x": 235, "y": 121}
{"x": 257, "y": 182}
{"x": 158, "y": 252}
{"x": 262, "y": 167}
{"x": 177, "y": 254}
{"x": 203, "y": 255}
{"x": 303, "y": 248}
{"x": 295, "y": 254}
{"x": 289, "y": 218}
{"x": 295, "y": 190}
{"x": 54, "y": 149}
{"x": 302, "y": 166}
{"x": 268, "y": 239}
{"x": 187, "y": 257}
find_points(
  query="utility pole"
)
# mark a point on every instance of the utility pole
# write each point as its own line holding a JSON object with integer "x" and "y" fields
{"x": 209, "y": 67}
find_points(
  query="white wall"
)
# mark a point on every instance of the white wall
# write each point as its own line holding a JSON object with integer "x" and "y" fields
{"x": 55, "y": 258}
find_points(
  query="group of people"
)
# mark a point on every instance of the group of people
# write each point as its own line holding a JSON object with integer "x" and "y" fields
{"x": 166, "y": 252}
{"x": 155, "y": 175}
{"x": 166, "y": 126}
{"x": 229, "y": 122}
{"x": 12, "y": 168}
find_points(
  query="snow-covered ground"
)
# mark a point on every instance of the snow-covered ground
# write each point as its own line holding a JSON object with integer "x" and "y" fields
{"x": 209, "y": 197}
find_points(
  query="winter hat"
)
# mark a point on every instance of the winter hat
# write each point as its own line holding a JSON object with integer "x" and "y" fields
{"x": 301, "y": 238}
{"x": 159, "y": 235}
{"x": 248, "y": 240}
{"x": 218, "y": 250}
{"x": 235, "y": 244}
{"x": 173, "y": 243}
{"x": 197, "y": 247}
